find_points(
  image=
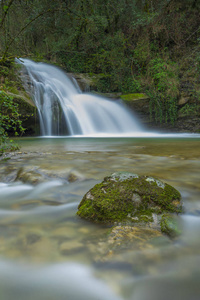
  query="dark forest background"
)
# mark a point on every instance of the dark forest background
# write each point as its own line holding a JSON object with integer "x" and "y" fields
{"x": 133, "y": 46}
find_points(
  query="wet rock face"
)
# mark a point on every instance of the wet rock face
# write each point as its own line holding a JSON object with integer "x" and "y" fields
{"x": 127, "y": 197}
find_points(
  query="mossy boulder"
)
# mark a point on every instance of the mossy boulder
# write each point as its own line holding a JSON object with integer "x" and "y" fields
{"x": 133, "y": 97}
{"x": 127, "y": 197}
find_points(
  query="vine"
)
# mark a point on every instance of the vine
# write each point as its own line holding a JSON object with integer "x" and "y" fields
{"x": 9, "y": 122}
{"x": 163, "y": 90}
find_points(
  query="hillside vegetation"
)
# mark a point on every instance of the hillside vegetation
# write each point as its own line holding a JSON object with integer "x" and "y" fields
{"x": 135, "y": 46}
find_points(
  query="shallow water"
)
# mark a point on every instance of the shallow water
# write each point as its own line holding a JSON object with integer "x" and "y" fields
{"x": 47, "y": 252}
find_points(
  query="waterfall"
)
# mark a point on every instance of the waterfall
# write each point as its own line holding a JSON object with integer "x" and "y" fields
{"x": 64, "y": 110}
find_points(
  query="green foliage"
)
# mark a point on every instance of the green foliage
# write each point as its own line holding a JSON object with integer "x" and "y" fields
{"x": 164, "y": 76}
{"x": 163, "y": 90}
{"x": 9, "y": 121}
{"x": 142, "y": 53}
{"x": 5, "y": 8}
{"x": 189, "y": 110}
{"x": 136, "y": 45}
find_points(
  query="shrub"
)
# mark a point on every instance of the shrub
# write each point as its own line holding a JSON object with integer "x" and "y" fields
{"x": 163, "y": 90}
{"x": 9, "y": 121}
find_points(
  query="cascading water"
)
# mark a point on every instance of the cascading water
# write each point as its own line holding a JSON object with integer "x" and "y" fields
{"x": 64, "y": 110}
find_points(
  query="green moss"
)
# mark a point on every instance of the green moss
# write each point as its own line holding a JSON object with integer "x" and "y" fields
{"x": 132, "y": 97}
{"x": 169, "y": 226}
{"x": 143, "y": 218}
{"x": 130, "y": 198}
{"x": 189, "y": 110}
{"x": 108, "y": 208}
{"x": 5, "y": 159}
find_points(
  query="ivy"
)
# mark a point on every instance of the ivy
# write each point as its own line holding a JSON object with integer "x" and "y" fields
{"x": 9, "y": 121}
{"x": 163, "y": 90}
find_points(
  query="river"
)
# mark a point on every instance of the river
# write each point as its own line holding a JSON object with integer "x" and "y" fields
{"x": 48, "y": 252}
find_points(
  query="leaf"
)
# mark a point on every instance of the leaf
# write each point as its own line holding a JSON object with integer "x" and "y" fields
{"x": 5, "y": 8}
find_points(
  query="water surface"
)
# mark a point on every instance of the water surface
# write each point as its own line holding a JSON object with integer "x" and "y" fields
{"x": 47, "y": 252}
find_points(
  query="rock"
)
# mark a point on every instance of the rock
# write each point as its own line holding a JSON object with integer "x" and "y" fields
{"x": 27, "y": 110}
{"x": 28, "y": 115}
{"x": 31, "y": 175}
{"x": 70, "y": 247}
{"x": 134, "y": 97}
{"x": 128, "y": 238}
{"x": 112, "y": 96}
{"x": 61, "y": 233}
{"x": 183, "y": 100}
{"x": 35, "y": 175}
{"x": 87, "y": 81}
{"x": 129, "y": 198}
{"x": 8, "y": 173}
{"x": 170, "y": 226}
{"x": 139, "y": 103}
{"x": 32, "y": 238}
{"x": 75, "y": 176}
{"x": 129, "y": 234}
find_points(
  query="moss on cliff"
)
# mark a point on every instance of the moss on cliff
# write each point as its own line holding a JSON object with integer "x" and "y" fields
{"x": 133, "y": 97}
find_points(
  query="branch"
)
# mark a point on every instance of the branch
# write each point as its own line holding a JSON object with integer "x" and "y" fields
{"x": 34, "y": 19}
{"x": 190, "y": 36}
{"x": 6, "y": 12}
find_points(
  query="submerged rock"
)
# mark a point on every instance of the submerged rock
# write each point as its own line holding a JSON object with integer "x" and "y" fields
{"x": 34, "y": 175}
{"x": 129, "y": 198}
{"x": 170, "y": 226}
{"x": 129, "y": 238}
{"x": 30, "y": 175}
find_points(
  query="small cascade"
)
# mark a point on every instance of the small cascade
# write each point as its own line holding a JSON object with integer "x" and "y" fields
{"x": 64, "y": 110}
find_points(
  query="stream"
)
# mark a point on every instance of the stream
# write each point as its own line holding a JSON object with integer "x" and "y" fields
{"x": 48, "y": 252}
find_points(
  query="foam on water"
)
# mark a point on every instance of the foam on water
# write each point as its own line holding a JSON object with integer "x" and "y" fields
{"x": 64, "y": 110}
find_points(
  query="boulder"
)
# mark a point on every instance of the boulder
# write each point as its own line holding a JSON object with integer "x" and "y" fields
{"x": 170, "y": 225}
{"x": 139, "y": 103}
{"x": 130, "y": 199}
{"x": 87, "y": 81}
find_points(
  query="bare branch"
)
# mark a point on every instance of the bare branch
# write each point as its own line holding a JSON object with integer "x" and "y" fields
{"x": 31, "y": 21}
{"x": 5, "y": 13}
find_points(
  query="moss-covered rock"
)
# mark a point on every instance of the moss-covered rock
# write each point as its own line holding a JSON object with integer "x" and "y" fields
{"x": 89, "y": 81}
{"x": 127, "y": 197}
{"x": 169, "y": 225}
{"x": 133, "y": 97}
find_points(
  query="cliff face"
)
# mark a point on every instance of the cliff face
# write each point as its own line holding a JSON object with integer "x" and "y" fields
{"x": 11, "y": 86}
{"x": 29, "y": 117}
{"x": 188, "y": 115}
{"x": 28, "y": 114}
{"x": 188, "y": 105}
{"x": 188, "y": 119}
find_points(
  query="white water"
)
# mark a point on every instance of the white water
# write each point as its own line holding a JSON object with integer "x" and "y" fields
{"x": 64, "y": 110}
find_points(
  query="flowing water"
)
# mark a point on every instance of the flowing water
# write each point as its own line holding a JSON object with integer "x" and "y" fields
{"x": 47, "y": 252}
{"x": 64, "y": 110}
